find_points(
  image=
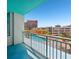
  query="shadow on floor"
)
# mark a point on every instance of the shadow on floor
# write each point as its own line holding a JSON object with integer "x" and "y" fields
{"x": 18, "y": 51}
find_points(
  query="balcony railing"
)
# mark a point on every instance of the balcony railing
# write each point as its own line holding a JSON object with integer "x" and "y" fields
{"x": 50, "y": 47}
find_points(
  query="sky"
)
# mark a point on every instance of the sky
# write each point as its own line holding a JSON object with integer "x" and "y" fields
{"x": 50, "y": 13}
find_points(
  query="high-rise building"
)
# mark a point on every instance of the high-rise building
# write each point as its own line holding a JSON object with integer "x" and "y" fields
{"x": 30, "y": 24}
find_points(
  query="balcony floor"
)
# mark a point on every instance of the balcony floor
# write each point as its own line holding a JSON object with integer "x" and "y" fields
{"x": 18, "y": 51}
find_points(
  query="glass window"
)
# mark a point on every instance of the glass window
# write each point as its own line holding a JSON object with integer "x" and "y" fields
{"x": 8, "y": 24}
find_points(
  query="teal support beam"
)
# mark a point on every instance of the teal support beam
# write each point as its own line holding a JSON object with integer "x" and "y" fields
{"x": 22, "y": 6}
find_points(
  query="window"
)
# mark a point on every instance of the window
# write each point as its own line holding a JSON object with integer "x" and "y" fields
{"x": 8, "y": 24}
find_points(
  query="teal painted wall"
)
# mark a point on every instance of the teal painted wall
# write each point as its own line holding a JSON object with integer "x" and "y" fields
{"x": 22, "y": 6}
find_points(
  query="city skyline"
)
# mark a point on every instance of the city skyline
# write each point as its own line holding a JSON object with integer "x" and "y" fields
{"x": 48, "y": 26}
{"x": 52, "y": 12}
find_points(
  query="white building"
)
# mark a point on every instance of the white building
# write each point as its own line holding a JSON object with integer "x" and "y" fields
{"x": 59, "y": 30}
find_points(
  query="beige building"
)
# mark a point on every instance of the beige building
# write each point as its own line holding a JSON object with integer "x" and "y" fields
{"x": 56, "y": 30}
{"x": 59, "y": 30}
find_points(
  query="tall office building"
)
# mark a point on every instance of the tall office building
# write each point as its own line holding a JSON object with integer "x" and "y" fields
{"x": 30, "y": 24}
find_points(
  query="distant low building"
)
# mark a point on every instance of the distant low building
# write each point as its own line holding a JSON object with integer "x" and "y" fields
{"x": 66, "y": 29}
{"x": 30, "y": 24}
{"x": 57, "y": 30}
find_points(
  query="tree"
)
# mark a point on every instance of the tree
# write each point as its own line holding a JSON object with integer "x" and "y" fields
{"x": 66, "y": 34}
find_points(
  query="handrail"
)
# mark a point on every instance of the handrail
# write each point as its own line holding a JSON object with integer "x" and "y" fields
{"x": 57, "y": 37}
{"x": 50, "y": 41}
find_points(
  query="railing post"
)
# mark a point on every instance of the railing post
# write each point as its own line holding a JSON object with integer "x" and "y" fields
{"x": 60, "y": 50}
{"x": 53, "y": 49}
{"x": 23, "y": 36}
{"x": 65, "y": 51}
{"x": 56, "y": 49}
{"x": 31, "y": 39}
{"x": 46, "y": 47}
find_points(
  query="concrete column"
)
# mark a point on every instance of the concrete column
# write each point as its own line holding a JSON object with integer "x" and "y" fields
{"x": 18, "y": 28}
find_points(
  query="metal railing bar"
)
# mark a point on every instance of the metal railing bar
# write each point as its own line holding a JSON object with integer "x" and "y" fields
{"x": 50, "y": 43}
{"x": 57, "y": 37}
{"x": 60, "y": 41}
{"x": 60, "y": 50}
{"x": 46, "y": 46}
{"x": 56, "y": 49}
{"x": 53, "y": 49}
{"x": 31, "y": 39}
{"x": 36, "y": 53}
{"x": 65, "y": 51}
{"x": 50, "y": 49}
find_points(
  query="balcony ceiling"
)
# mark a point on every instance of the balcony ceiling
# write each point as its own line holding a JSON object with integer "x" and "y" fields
{"x": 22, "y": 6}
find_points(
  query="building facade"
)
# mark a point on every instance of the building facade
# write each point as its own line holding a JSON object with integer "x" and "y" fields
{"x": 30, "y": 24}
{"x": 57, "y": 30}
